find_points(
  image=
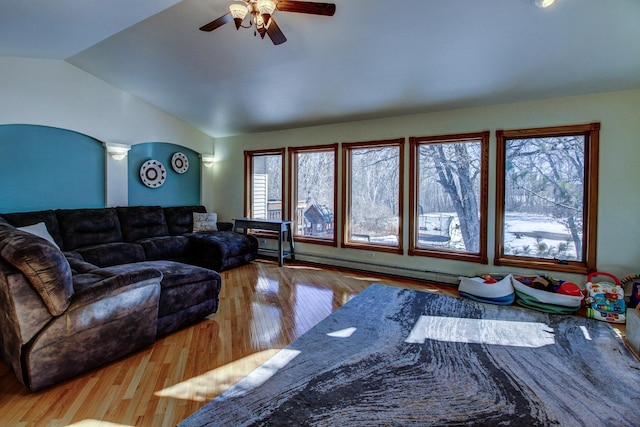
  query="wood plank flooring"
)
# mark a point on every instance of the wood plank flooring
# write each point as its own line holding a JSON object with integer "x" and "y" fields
{"x": 263, "y": 308}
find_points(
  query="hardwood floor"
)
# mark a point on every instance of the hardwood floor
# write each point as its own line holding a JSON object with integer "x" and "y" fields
{"x": 263, "y": 308}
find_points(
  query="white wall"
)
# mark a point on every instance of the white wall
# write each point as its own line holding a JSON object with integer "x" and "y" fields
{"x": 619, "y": 195}
{"x": 54, "y": 93}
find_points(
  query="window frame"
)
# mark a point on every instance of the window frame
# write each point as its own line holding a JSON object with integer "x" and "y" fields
{"x": 415, "y": 143}
{"x": 347, "y": 148}
{"x": 591, "y": 133}
{"x": 293, "y": 190}
{"x": 249, "y": 155}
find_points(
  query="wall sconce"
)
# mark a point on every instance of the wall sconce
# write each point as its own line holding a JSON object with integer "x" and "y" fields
{"x": 117, "y": 151}
{"x": 543, "y": 3}
{"x": 207, "y": 160}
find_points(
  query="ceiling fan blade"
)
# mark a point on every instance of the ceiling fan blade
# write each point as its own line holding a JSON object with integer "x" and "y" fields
{"x": 275, "y": 33}
{"x": 217, "y": 23}
{"x": 326, "y": 9}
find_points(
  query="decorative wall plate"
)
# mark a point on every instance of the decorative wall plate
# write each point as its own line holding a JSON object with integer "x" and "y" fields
{"x": 153, "y": 173}
{"x": 180, "y": 162}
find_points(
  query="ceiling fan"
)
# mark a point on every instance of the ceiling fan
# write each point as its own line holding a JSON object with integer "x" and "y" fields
{"x": 260, "y": 15}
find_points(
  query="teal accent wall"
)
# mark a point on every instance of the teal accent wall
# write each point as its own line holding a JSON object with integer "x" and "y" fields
{"x": 44, "y": 167}
{"x": 177, "y": 190}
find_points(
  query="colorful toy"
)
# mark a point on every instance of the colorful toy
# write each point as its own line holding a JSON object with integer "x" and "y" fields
{"x": 605, "y": 300}
{"x": 569, "y": 288}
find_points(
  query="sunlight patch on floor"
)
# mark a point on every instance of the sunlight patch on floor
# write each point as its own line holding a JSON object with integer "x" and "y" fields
{"x": 427, "y": 288}
{"x": 481, "y": 331}
{"x": 344, "y": 333}
{"x": 365, "y": 279}
{"x": 205, "y": 387}
{"x": 586, "y": 333}
{"x": 303, "y": 267}
{"x": 260, "y": 375}
{"x": 96, "y": 423}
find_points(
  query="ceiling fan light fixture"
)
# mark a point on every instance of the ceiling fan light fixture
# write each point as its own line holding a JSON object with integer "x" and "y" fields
{"x": 261, "y": 15}
{"x": 266, "y": 8}
{"x": 238, "y": 12}
{"x": 543, "y": 3}
{"x": 260, "y": 26}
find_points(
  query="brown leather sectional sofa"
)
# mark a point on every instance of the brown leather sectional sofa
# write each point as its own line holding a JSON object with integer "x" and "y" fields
{"x": 108, "y": 283}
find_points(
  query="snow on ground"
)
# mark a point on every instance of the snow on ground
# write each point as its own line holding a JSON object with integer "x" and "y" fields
{"x": 522, "y": 231}
{"x": 516, "y": 222}
{"x": 526, "y": 230}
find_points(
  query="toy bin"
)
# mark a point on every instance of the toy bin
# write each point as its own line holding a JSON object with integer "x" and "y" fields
{"x": 487, "y": 289}
{"x": 542, "y": 300}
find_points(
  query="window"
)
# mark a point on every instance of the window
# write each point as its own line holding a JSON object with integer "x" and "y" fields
{"x": 546, "y": 201}
{"x": 263, "y": 184}
{"x": 448, "y": 205}
{"x": 313, "y": 193}
{"x": 372, "y": 177}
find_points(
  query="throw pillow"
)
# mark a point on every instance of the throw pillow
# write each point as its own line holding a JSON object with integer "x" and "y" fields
{"x": 40, "y": 230}
{"x": 205, "y": 221}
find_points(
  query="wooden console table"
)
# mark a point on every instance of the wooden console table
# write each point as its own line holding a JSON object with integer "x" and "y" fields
{"x": 281, "y": 226}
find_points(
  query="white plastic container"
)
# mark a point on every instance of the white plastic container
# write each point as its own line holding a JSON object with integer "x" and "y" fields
{"x": 547, "y": 297}
{"x": 476, "y": 286}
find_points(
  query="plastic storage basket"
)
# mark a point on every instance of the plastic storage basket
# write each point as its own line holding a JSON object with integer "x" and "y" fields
{"x": 479, "y": 289}
{"x": 545, "y": 301}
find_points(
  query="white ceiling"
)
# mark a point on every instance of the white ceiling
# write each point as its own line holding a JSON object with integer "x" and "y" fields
{"x": 374, "y": 58}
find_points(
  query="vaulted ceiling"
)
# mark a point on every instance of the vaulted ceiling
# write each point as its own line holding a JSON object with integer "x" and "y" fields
{"x": 374, "y": 58}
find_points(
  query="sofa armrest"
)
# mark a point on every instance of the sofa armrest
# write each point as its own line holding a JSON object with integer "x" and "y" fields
{"x": 100, "y": 283}
{"x": 107, "y": 319}
{"x": 22, "y": 315}
{"x": 224, "y": 226}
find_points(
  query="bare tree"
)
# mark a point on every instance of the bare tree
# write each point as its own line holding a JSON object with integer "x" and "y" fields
{"x": 274, "y": 174}
{"x": 374, "y": 190}
{"x": 457, "y": 172}
{"x": 548, "y": 174}
{"x": 316, "y": 177}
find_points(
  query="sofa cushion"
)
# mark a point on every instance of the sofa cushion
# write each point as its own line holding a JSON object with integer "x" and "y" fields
{"x": 78, "y": 265}
{"x": 43, "y": 265}
{"x": 180, "y": 218}
{"x": 213, "y": 249}
{"x": 142, "y": 222}
{"x": 88, "y": 227}
{"x": 89, "y": 286}
{"x": 112, "y": 253}
{"x": 22, "y": 219}
{"x": 226, "y": 243}
{"x": 173, "y": 273}
{"x": 165, "y": 247}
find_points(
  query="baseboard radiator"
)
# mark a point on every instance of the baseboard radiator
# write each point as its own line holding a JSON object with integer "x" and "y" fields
{"x": 437, "y": 277}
